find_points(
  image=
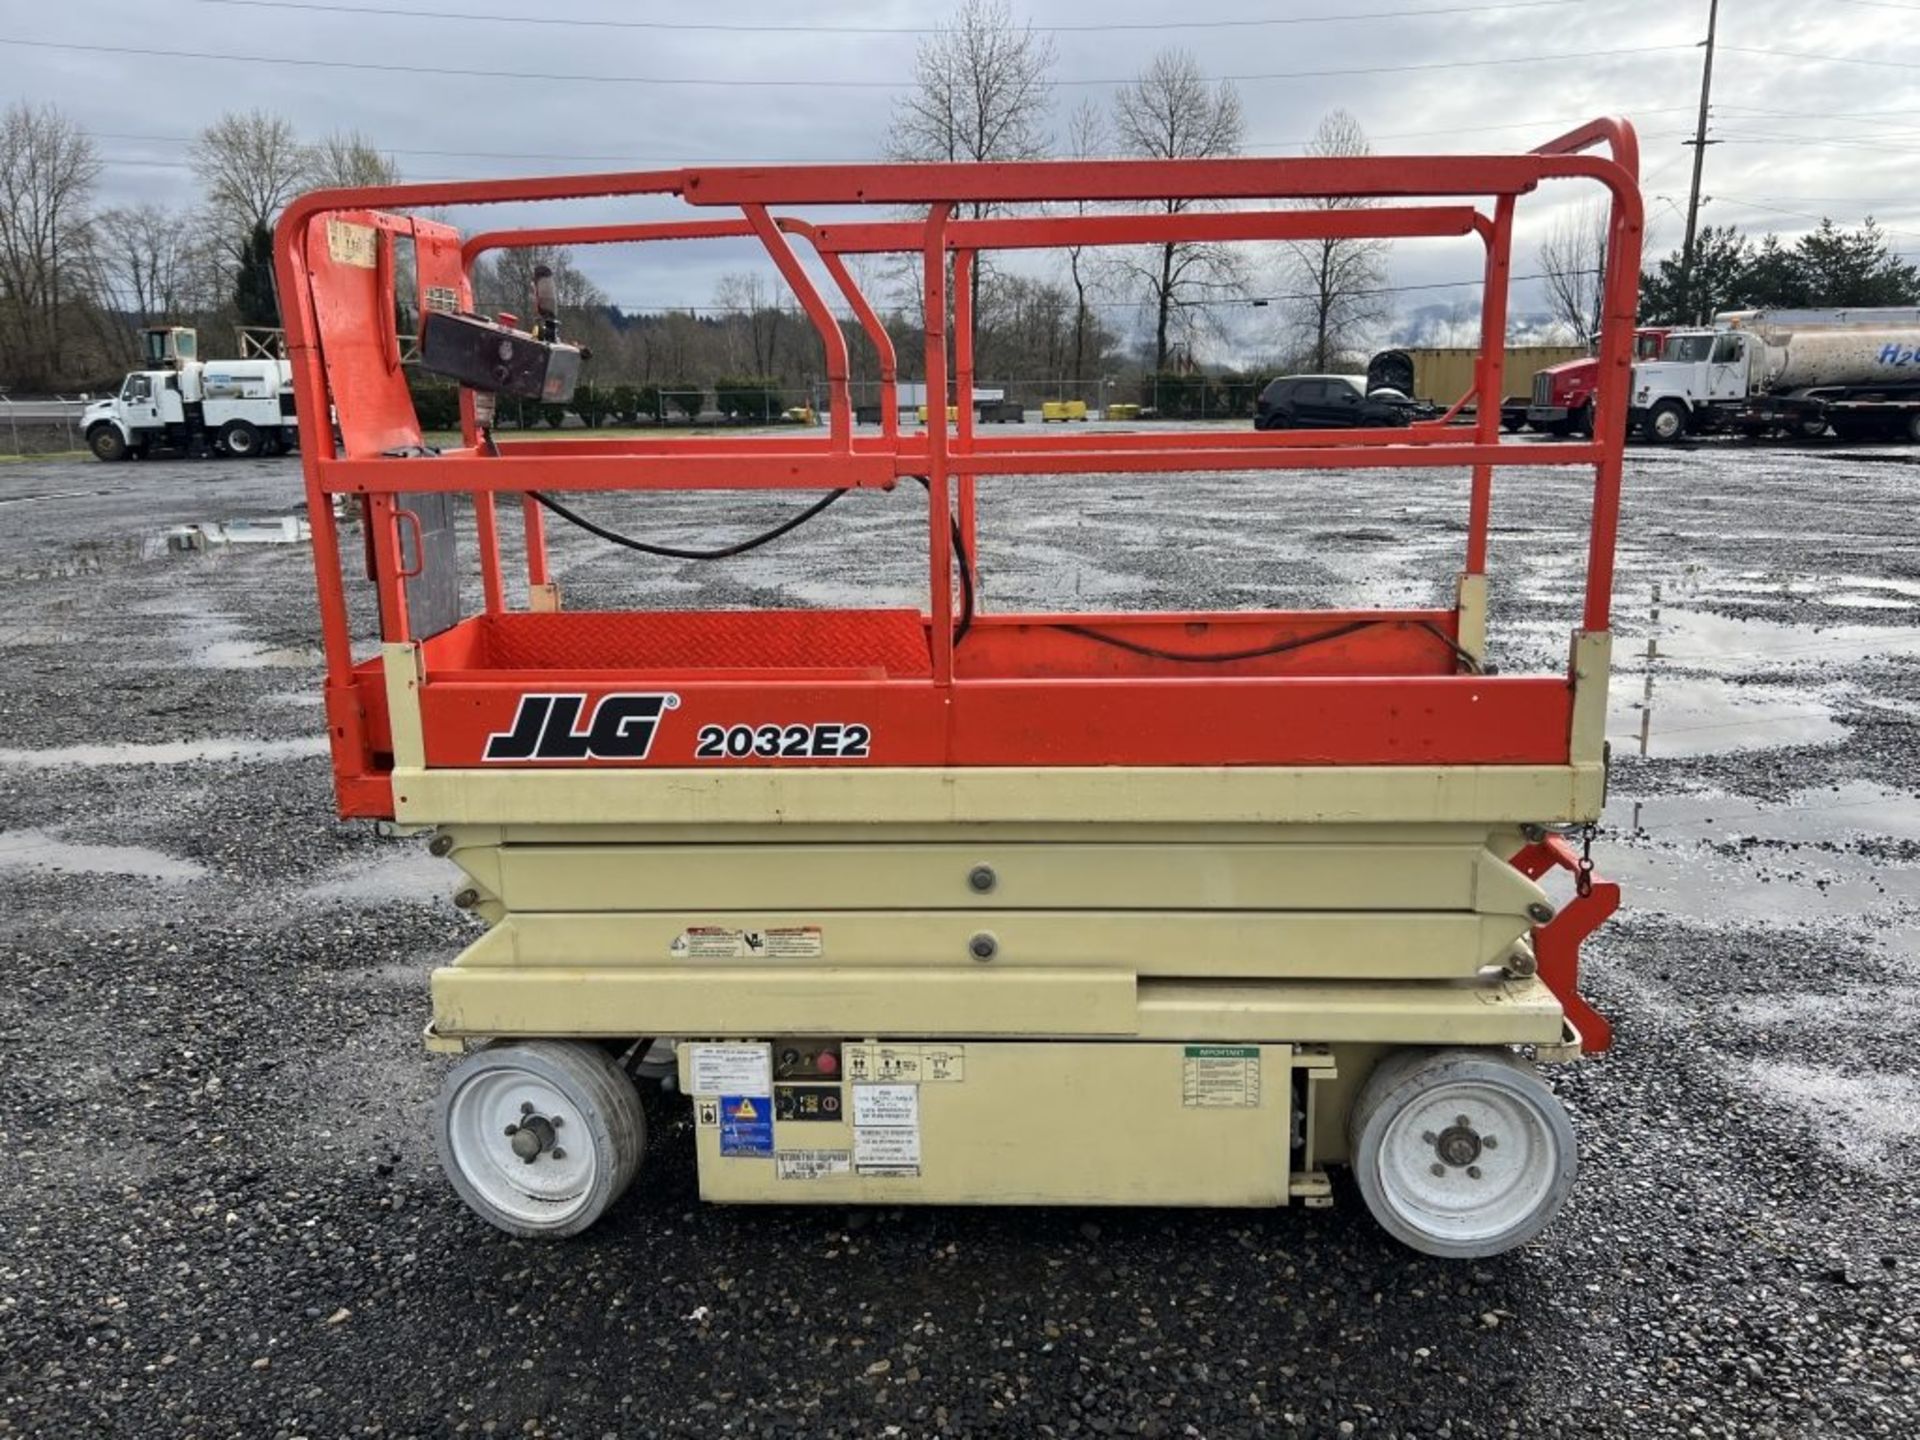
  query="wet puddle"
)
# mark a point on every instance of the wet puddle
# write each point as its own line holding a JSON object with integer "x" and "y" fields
{"x": 1692, "y": 715}
{"x": 169, "y": 752}
{"x": 1823, "y": 856}
{"x": 37, "y": 850}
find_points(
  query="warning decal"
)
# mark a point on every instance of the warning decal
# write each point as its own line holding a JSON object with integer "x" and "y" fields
{"x": 706, "y": 1112}
{"x": 730, "y": 1069}
{"x": 887, "y": 1150}
{"x": 721, "y": 942}
{"x": 907, "y": 1064}
{"x": 746, "y": 1125}
{"x": 886, "y": 1129}
{"x": 1221, "y": 1076}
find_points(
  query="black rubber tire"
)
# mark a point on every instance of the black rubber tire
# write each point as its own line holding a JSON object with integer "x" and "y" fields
{"x": 1911, "y": 430}
{"x": 1583, "y": 421}
{"x": 107, "y": 443}
{"x": 241, "y": 440}
{"x": 1399, "y": 1081}
{"x": 1561, "y": 429}
{"x": 1512, "y": 424}
{"x": 594, "y": 1085}
{"x": 1670, "y": 417}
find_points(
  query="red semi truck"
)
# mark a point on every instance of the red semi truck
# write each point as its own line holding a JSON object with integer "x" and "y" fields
{"x": 1563, "y": 393}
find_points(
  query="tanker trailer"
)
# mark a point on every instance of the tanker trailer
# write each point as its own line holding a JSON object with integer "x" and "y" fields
{"x": 1786, "y": 371}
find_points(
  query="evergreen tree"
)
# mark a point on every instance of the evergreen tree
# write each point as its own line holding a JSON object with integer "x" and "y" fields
{"x": 253, "y": 289}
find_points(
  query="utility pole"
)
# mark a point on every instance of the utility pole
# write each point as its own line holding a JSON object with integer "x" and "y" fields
{"x": 1699, "y": 143}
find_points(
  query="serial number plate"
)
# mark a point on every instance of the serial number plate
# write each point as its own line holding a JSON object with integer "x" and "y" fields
{"x": 825, "y": 741}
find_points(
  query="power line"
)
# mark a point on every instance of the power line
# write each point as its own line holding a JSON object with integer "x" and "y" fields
{"x": 1241, "y": 301}
{"x": 826, "y": 29}
{"x": 628, "y": 158}
{"x": 1829, "y": 59}
{"x": 415, "y": 70}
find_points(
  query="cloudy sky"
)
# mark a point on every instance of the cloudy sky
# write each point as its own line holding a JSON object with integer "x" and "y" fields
{"x": 1814, "y": 102}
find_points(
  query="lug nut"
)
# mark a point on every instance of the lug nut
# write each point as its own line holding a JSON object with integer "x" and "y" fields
{"x": 1489, "y": 1142}
{"x": 1439, "y": 1169}
{"x": 560, "y": 1154}
{"x": 526, "y": 1107}
{"x": 512, "y": 1130}
{"x": 983, "y": 946}
{"x": 981, "y": 879}
{"x": 1473, "y": 1171}
{"x": 1427, "y": 1137}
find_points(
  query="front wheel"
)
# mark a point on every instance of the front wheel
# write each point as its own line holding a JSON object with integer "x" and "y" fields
{"x": 239, "y": 438}
{"x": 1583, "y": 420}
{"x": 1460, "y": 1153}
{"x": 1665, "y": 423}
{"x": 107, "y": 443}
{"x": 539, "y": 1137}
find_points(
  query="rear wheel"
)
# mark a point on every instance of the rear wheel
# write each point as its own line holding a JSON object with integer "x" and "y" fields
{"x": 1460, "y": 1153}
{"x": 1807, "y": 427}
{"x": 1912, "y": 428}
{"x": 539, "y": 1137}
{"x": 239, "y": 438}
{"x": 1665, "y": 423}
{"x": 107, "y": 443}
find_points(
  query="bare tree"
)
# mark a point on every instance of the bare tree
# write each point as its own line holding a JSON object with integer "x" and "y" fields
{"x": 347, "y": 160}
{"x": 754, "y": 315}
{"x": 1573, "y": 261}
{"x": 1171, "y": 112}
{"x": 48, "y": 167}
{"x": 251, "y": 164}
{"x": 1341, "y": 279}
{"x": 155, "y": 265}
{"x": 981, "y": 91}
{"x": 505, "y": 282}
{"x": 1087, "y": 139}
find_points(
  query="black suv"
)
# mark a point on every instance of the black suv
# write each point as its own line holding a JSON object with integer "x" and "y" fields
{"x": 1328, "y": 402}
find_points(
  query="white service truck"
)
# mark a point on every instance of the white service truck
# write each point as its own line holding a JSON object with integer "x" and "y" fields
{"x": 222, "y": 407}
{"x": 1791, "y": 371}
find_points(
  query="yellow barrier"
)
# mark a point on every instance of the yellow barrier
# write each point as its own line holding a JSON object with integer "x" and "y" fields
{"x": 1063, "y": 410}
{"x": 1123, "y": 412}
{"x": 953, "y": 413}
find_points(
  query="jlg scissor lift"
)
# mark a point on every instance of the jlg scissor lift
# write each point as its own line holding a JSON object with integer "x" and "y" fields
{"x": 950, "y": 905}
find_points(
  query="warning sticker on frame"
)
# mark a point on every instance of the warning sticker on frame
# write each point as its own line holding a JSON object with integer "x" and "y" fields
{"x": 927, "y": 1064}
{"x": 1221, "y": 1077}
{"x": 886, "y": 1105}
{"x": 730, "y": 1069}
{"x": 719, "y": 942}
{"x": 746, "y": 1125}
{"x": 887, "y": 1150}
{"x": 810, "y": 1164}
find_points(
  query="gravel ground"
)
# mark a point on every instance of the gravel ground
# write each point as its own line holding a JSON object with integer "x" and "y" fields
{"x": 225, "y": 1218}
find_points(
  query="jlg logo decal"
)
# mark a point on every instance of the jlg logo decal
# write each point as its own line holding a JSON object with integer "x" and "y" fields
{"x": 547, "y": 727}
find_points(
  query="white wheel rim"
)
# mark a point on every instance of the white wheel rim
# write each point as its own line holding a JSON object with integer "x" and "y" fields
{"x": 1667, "y": 424}
{"x": 547, "y": 1192}
{"x": 1483, "y": 1191}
